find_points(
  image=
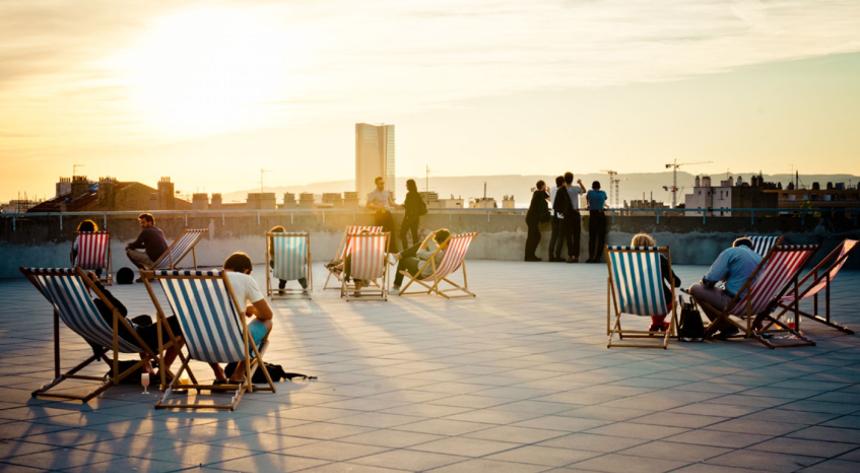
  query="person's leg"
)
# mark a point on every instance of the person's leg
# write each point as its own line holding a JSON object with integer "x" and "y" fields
{"x": 139, "y": 259}
{"x": 601, "y": 236}
{"x": 414, "y": 230}
{"x": 592, "y": 235}
{"x": 257, "y": 330}
{"x": 554, "y": 239}
{"x": 404, "y": 228}
{"x": 715, "y": 300}
{"x": 409, "y": 265}
{"x": 410, "y": 252}
{"x": 303, "y": 282}
{"x": 532, "y": 241}
{"x": 575, "y": 231}
{"x": 388, "y": 226}
{"x": 567, "y": 237}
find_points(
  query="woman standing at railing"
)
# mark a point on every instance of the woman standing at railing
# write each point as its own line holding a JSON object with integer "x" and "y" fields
{"x": 538, "y": 212}
{"x": 414, "y": 208}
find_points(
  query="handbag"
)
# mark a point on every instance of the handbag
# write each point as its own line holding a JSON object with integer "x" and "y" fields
{"x": 690, "y": 328}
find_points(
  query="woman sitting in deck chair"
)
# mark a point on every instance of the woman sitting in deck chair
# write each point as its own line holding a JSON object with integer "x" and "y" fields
{"x": 658, "y": 322}
{"x": 412, "y": 258}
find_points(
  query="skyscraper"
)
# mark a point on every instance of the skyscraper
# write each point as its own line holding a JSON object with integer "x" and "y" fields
{"x": 374, "y": 156}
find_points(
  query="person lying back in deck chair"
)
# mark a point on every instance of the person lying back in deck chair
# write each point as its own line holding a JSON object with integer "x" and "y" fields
{"x": 412, "y": 258}
{"x": 151, "y": 240}
{"x": 246, "y": 291}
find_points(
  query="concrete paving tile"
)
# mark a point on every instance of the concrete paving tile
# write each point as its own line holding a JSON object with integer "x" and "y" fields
{"x": 707, "y": 468}
{"x": 344, "y": 467}
{"x": 853, "y": 455}
{"x": 332, "y": 450}
{"x": 516, "y": 434}
{"x": 640, "y": 431}
{"x": 267, "y": 462}
{"x": 593, "y": 442}
{"x": 615, "y": 463}
{"x": 391, "y": 438}
{"x": 541, "y": 455}
{"x": 719, "y": 439}
{"x": 488, "y": 466}
{"x": 62, "y": 458}
{"x": 128, "y": 464}
{"x": 832, "y": 466}
{"x": 19, "y": 468}
{"x": 464, "y": 446}
{"x": 830, "y": 434}
{"x": 756, "y": 427}
{"x": 9, "y": 449}
{"x": 675, "y": 451}
{"x": 443, "y": 427}
{"x": 261, "y": 442}
{"x": 411, "y": 460}
{"x": 812, "y": 448}
{"x": 325, "y": 430}
{"x": 676, "y": 419}
{"x": 764, "y": 460}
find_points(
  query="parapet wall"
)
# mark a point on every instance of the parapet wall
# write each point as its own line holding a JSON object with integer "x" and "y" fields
{"x": 45, "y": 240}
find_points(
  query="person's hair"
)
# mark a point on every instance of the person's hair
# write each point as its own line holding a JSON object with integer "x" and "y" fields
{"x": 378, "y": 178}
{"x": 595, "y": 185}
{"x": 559, "y": 181}
{"x": 540, "y": 184}
{"x": 745, "y": 241}
{"x": 87, "y": 225}
{"x": 239, "y": 262}
{"x": 441, "y": 236}
{"x": 411, "y": 186}
{"x": 643, "y": 239}
{"x": 568, "y": 177}
{"x": 278, "y": 229}
{"x": 146, "y": 216}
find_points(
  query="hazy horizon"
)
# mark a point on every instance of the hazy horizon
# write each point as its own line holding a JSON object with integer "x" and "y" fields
{"x": 209, "y": 93}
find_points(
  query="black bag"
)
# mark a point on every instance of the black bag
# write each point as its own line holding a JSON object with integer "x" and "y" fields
{"x": 690, "y": 327}
{"x": 124, "y": 276}
{"x": 275, "y": 371}
{"x": 133, "y": 377}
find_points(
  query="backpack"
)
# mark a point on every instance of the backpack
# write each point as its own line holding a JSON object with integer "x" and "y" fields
{"x": 275, "y": 371}
{"x": 690, "y": 327}
{"x": 125, "y": 275}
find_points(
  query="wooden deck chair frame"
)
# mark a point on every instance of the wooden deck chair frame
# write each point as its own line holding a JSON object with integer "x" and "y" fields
{"x": 107, "y": 275}
{"x": 117, "y": 344}
{"x": 744, "y": 300}
{"x": 270, "y": 256}
{"x": 168, "y": 261}
{"x": 434, "y": 282}
{"x": 763, "y": 244}
{"x": 340, "y": 254}
{"x": 818, "y": 279}
{"x": 377, "y": 286}
{"x": 248, "y": 347}
{"x": 615, "y": 306}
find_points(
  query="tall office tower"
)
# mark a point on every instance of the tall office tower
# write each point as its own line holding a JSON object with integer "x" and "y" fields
{"x": 374, "y": 156}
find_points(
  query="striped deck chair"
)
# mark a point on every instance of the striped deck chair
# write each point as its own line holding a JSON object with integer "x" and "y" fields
{"x": 70, "y": 292}
{"x": 342, "y": 249}
{"x": 180, "y": 248}
{"x": 366, "y": 260}
{"x": 454, "y": 258}
{"x": 816, "y": 280}
{"x": 635, "y": 287}
{"x": 750, "y": 310}
{"x": 762, "y": 244}
{"x": 215, "y": 331}
{"x": 94, "y": 253}
{"x": 289, "y": 255}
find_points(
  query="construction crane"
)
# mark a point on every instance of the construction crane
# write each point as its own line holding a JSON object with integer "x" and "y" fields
{"x": 674, "y": 165}
{"x": 614, "y": 184}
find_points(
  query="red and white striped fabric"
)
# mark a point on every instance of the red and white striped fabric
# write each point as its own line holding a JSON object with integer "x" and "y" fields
{"x": 92, "y": 249}
{"x": 367, "y": 254}
{"x": 355, "y": 230}
{"x": 772, "y": 277}
{"x": 455, "y": 253}
{"x": 823, "y": 280}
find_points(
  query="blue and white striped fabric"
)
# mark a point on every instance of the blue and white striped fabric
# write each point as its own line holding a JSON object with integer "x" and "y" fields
{"x": 68, "y": 293}
{"x": 180, "y": 248}
{"x": 290, "y": 255}
{"x": 207, "y": 314}
{"x": 762, "y": 244}
{"x": 637, "y": 279}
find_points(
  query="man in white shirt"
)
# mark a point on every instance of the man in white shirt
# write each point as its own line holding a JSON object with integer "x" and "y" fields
{"x": 381, "y": 201}
{"x": 572, "y": 220}
{"x": 248, "y": 294}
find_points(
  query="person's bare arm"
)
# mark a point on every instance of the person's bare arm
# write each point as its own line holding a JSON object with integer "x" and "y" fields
{"x": 581, "y": 185}
{"x": 260, "y": 309}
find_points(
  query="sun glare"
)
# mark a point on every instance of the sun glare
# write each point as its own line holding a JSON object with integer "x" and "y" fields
{"x": 208, "y": 71}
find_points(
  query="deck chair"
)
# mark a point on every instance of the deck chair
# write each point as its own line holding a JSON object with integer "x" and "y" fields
{"x": 439, "y": 280}
{"x": 180, "y": 248}
{"x": 635, "y": 287}
{"x": 94, "y": 253}
{"x": 289, "y": 254}
{"x": 762, "y": 244}
{"x": 816, "y": 280}
{"x": 70, "y": 290}
{"x": 366, "y": 259}
{"x": 340, "y": 254}
{"x": 750, "y": 310}
{"x": 215, "y": 331}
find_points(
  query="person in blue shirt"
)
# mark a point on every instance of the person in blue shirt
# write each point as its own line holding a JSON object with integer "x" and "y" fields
{"x": 596, "y": 199}
{"x": 733, "y": 267}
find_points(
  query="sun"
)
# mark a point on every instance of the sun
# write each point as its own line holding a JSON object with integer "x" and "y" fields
{"x": 206, "y": 71}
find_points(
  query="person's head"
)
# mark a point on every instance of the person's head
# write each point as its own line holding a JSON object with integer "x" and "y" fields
{"x": 380, "y": 183}
{"x": 595, "y": 185}
{"x": 278, "y": 229}
{"x": 146, "y": 220}
{"x": 239, "y": 262}
{"x": 743, "y": 241}
{"x": 568, "y": 178}
{"x": 441, "y": 236}
{"x": 540, "y": 185}
{"x": 559, "y": 181}
{"x": 88, "y": 225}
{"x": 411, "y": 186}
{"x": 643, "y": 239}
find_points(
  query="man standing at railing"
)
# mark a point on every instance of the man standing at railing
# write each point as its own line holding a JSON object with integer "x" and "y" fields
{"x": 151, "y": 240}
{"x": 572, "y": 220}
{"x": 596, "y": 222}
{"x": 381, "y": 201}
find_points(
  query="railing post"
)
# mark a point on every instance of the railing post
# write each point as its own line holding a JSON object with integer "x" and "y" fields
{"x": 657, "y": 214}
{"x": 61, "y": 222}
{"x": 13, "y": 222}
{"x": 752, "y": 217}
{"x": 186, "y": 220}
{"x": 104, "y": 220}
{"x": 258, "y": 217}
{"x": 704, "y": 217}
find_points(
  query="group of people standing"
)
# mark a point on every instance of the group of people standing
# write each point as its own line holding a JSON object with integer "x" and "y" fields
{"x": 560, "y": 206}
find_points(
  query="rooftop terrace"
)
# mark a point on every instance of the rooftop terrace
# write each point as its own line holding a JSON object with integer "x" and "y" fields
{"x": 517, "y": 380}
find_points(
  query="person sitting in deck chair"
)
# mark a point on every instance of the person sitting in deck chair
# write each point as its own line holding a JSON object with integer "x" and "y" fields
{"x": 282, "y": 283}
{"x": 86, "y": 225}
{"x": 413, "y": 258}
{"x": 658, "y": 322}
{"x": 733, "y": 266}
{"x": 238, "y": 267}
{"x": 151, "y": 240}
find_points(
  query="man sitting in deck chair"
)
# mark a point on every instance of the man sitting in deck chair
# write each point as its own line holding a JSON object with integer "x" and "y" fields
{"x": 733, "y": 266}
{"x": 412, "y": 258}
{"x": 238, "y": 268}
{"x": 151, "y": 240}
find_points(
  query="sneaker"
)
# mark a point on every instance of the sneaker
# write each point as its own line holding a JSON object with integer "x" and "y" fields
{"x": 281, "y": 292}
{"x": 395, "y": 289}
{"x": 533, "y": 258}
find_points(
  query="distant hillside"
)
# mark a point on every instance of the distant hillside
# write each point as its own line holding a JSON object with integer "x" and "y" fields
{"x": 632, "y": 186}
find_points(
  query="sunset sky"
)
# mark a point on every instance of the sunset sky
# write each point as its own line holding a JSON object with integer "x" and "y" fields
{"x": 211, "y": 92}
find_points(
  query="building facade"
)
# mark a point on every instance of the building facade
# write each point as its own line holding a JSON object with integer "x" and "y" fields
{"x": 374, "y": 156}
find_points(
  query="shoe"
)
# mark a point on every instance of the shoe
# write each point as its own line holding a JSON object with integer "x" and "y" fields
{"x": 573, "y": 260}
{"x": 533, "y": 258}
{"x": 281, "y": 292}
{"x": 659, "y": 327}
{"x": 725, "y": 333}
{"x": 138, "y": 280}
{"x": 395, "y": 289}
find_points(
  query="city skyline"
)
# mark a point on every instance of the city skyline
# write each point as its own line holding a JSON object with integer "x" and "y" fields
{"x": 138, "y": 92}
